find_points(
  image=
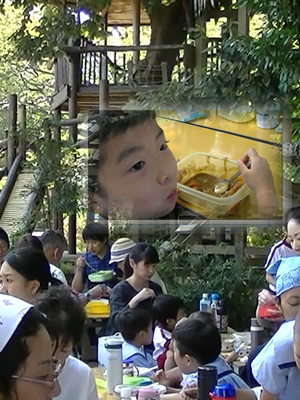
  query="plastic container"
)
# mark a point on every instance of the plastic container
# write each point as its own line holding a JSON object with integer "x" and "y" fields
{"x": 238, "y": 116}
{"x": 220, "y": 167}
{"x": 204, "y": 304}
{"x": 147, "y": 394}
{"x": 102, "y": 350}
{"x": 225, "y": 391}
{"x": 267, "y": 120}
{"x": 97, "y": 308}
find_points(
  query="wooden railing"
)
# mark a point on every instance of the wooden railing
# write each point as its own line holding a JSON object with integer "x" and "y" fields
{"x": 115, "y": 63}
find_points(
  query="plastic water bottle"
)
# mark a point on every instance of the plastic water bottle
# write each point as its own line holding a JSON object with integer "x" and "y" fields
{"x": 225, "y": 391}
{"x": 114, "y": 364}
{"x": 204, "y": 304}
{"x": 214, "y": 304}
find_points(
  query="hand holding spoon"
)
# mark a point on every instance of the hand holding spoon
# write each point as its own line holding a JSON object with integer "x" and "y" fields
{"x": 222, "y": 186}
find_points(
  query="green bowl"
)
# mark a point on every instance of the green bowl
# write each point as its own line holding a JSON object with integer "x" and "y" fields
{"x": 101, "y": 276}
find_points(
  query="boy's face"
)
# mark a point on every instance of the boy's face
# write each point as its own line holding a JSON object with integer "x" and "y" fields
{"x": 186, "y": 363}
{"x": 140, "y": 173}
{"x": 3, "y": 250}
{"x": 171, "y": 323}
{"x": 146, "y": 336}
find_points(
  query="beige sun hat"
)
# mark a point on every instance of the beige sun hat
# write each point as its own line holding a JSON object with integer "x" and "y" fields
{"x": 120, "y": 249}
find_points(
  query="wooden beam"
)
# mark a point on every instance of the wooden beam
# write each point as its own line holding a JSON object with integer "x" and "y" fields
{"x": 9, "y": 184}
{"x": 12, "y": 129}
{"x": 101, "y": 49}
{"x": 136, "y": 22}
{"x": 22, "y": 124}
{"x": 243, "y": 20}
{"x": 73, "y": 133}
{"x": 59, "y": 98}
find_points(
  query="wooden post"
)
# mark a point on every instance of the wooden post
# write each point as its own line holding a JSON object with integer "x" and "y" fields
{"x": 73, "y": 133}
{"x": 239, "y": 245}
{"x": 58, "y": 217}
{"x": 136, "y": 21}
{"x": 287, "y": 186}
{"x": 103, "y": 84}
{"x": 200, "y": 44}
{"x": 22, "y": 125}
{"x": 12, "y": 129}
{"x": 243, "y": 20}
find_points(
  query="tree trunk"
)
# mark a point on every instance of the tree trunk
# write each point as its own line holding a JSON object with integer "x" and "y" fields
{"x": 168, "y": 26}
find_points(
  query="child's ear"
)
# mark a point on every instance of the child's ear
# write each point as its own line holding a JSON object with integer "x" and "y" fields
{"x": 56, "y": 253}
{"x": 189, "y": 359}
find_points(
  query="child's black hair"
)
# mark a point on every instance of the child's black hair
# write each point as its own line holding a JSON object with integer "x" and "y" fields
{"x": 131, "y": 322}
{"x": 116, "y": 123}
{"x": 294, "y": 213}
{"x": 65, "y": 313}
{"x": 198, "y": 339}
{"x": 166, "y": 306}
{"x": 140, "y": 252}
{"x": 95, "y": 231}
{"x": 206, "y": 317}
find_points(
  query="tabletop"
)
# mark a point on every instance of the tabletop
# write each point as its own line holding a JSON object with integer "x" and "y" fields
{"x": 218, "y": 136}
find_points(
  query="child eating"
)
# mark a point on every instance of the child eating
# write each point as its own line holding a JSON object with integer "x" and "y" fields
{"x": 136, "y": 329}
{"x": 197, "y": 344}
{"x": 167, "y": 311}
{"x": 137, "y": 174}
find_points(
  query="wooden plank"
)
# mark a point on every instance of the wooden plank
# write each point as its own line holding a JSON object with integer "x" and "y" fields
{"x": 60, "y": 98}
{"x": 101, "y": 49}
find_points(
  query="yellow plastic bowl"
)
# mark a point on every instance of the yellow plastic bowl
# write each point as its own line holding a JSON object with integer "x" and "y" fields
{"x": 97, "y": 308}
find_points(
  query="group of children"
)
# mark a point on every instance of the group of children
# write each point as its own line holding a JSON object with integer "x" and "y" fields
{"x": 181, "y": 344}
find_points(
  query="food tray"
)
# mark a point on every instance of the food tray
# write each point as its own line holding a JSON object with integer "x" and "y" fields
{"x": 216, "y": 164}
{"x": 97, "y": 308}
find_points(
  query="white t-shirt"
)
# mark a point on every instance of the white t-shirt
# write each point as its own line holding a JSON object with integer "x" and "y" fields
{"x": 161, "y": 339}
{"x": 275, "y": 369}
{"x": 58, "y": 274}
{"x": 76, "y": 381}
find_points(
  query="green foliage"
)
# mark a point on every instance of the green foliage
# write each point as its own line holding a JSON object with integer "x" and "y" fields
{"x": 262, "y": 237}
{"x": 67, "y": 267}
{"x": 46, "y": 27}
{"x": 189, "y": 275}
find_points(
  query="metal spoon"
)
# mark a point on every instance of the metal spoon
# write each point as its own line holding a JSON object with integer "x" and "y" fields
{"x": 223, "y": 185}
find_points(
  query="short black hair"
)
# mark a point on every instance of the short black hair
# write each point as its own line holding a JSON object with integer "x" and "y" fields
{"x": 140, "y": 252}
{"x": 294, "y": 213}
{"x": 16, "y": 351}
{"x": 55, "y": 239}
{"x": 115, "y": 123}
{"x": 131, "y": 322}
{"x": 95, "y": 231}
{"x": 198, "y": 339}
{"x": 29, "y": 240}
{"x": 4, "y": 236}
{"x": 65, "y": 313}
{"x": 166, "y": 306}
{"x": 206, "y": 317}
{"x": 33, "y": 265}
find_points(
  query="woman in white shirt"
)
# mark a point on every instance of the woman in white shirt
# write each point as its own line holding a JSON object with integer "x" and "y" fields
{"x": 67, "y": 320}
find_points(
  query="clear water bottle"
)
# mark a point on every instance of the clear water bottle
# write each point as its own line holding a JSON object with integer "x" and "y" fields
{"x": 214, "y": 304}
{"x": 204, "y": 304}
{"x": 114, "y": 364}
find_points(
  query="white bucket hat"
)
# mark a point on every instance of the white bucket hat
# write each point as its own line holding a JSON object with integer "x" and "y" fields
{"x": 12, "y": 311}
{"x": 120, "y": 249}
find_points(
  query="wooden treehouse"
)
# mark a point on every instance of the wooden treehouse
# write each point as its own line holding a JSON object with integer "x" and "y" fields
{"x": 92, "y": 77}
